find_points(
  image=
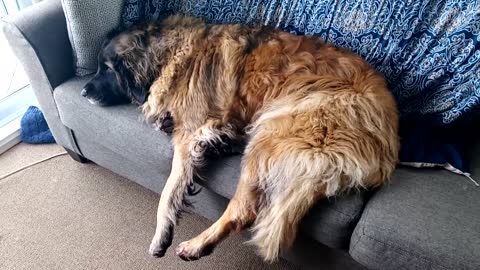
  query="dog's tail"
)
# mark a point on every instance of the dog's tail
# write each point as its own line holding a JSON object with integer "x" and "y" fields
{"x": 289, "y": 192}
{"x": 291, "y": 185}
{"x": 276, "y": 224}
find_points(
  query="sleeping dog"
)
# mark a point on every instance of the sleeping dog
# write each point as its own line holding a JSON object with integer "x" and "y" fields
{"x": 317, "y": 120}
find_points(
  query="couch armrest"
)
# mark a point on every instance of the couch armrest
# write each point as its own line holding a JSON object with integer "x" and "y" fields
{"x": 38, "y": 36}
{"x": 41, "y": 29}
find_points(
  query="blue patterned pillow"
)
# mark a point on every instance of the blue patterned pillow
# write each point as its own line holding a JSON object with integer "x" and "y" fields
{"x": 428, "y": 51}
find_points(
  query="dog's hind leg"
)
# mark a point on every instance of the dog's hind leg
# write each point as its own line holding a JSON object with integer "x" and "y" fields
{"x": 239, "y": 214}
{"x": 282, "y": 177}
{"x": 172, "y": 199}
{"x": 292, "y": 175}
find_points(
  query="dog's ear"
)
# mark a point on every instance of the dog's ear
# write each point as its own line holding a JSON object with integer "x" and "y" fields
{"x": 115, "y": 32}
{"x": 137, "y": 93}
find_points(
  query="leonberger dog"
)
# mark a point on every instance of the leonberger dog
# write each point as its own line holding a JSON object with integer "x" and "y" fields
{"x": 317, "y": 120}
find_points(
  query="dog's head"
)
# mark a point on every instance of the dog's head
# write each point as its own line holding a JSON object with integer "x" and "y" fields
{"x": 130, "y": 60}
{"x": 124, "y": 73}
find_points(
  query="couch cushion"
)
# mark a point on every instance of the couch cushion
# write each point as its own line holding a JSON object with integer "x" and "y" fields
{"x": 88, "y": 22}
{"x": 119, "y": 129}
{"x": 425, "y": 219}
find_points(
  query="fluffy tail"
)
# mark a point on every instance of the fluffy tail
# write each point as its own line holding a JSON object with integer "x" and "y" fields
{"x": 291, "y": 186}
{"x": 276, "y": 224}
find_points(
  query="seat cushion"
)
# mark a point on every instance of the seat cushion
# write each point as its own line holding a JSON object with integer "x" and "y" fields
{"x": 144, "y": 155}
{"x": 425, "y": 219}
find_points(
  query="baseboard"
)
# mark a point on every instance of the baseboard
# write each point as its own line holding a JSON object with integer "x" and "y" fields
{"x": 9, "y": 135}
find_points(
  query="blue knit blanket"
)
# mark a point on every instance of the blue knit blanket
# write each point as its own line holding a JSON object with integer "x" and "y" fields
{"x": 428, "y": 51}
{"x": 34, "y": 127}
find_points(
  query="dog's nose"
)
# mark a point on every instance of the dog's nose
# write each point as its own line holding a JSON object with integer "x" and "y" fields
{"x": 83, "y": 92}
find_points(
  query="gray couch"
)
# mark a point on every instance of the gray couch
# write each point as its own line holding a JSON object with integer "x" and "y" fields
{"x": 422, "y": 219}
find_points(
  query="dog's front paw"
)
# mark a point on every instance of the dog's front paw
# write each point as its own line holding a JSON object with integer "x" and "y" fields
{"x": 161, "y": 241}
{"x": 164, "y": 123}
{"x": 156, "y": 250}
{"x": 225, "y": 147}
{"x": 191, "y": 251}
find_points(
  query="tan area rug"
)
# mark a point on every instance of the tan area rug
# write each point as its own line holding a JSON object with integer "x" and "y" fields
{"x": 61, "y": 214}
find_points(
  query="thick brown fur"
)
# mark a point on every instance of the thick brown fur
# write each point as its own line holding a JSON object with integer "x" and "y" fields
{"x": 318, "y": 121}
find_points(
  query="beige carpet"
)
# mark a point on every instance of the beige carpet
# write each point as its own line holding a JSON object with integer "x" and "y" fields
{"x": 65, "y": 215}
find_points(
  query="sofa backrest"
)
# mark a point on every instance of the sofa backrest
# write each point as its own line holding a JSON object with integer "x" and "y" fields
{"x": 429, "y": 51}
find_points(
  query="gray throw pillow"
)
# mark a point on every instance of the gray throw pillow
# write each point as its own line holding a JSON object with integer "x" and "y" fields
{"x": 88, "y": 22}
